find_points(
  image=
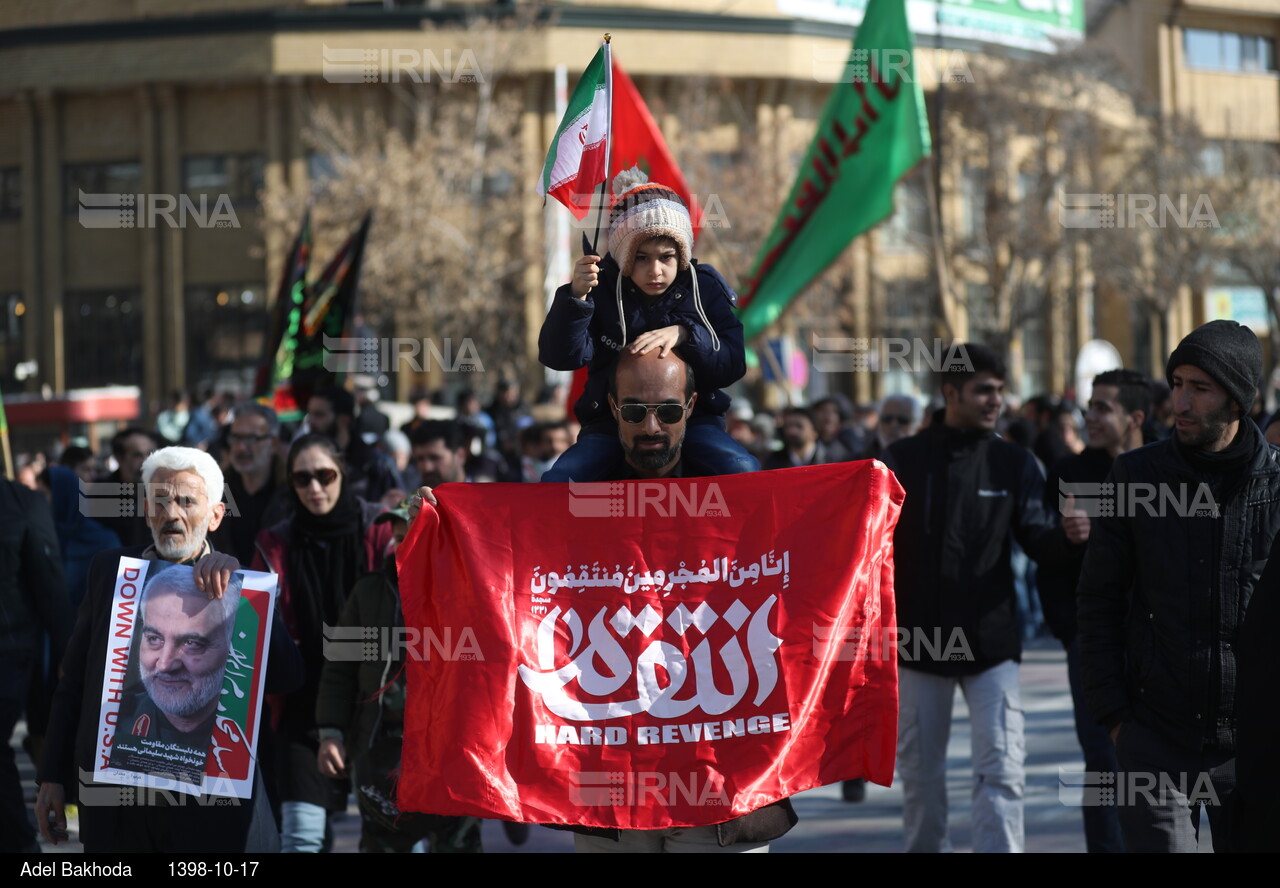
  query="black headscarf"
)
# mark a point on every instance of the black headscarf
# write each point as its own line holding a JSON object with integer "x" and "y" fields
{"x": 326, "y": 556}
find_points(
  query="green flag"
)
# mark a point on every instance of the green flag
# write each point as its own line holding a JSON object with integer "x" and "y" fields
{"x": 873, "y": 130}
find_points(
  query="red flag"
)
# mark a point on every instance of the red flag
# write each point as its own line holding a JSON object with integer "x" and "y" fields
{"x": 649, "y": 654}
{"x": 637, "y": 141}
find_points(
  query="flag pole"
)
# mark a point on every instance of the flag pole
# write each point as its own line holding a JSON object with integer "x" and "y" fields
{"x": 608, "y": 143}
{"x": 10, "y": 470}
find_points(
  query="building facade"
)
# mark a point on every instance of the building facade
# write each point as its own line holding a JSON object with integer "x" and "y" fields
{"x": 194, "y": 116}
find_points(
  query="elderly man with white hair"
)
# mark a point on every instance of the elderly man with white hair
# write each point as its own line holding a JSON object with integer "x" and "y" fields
{"x": 184, "y": 489}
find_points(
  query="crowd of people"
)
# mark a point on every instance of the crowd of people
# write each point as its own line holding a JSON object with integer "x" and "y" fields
{"x": 1150, "y": 608}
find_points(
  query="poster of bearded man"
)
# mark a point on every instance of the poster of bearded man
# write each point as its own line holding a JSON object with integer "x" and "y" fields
{"x": 182, "y": 690}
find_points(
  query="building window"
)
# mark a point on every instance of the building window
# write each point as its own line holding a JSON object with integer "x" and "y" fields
{"x": 980, "y": 303}
{"x": 1213, "y": 158}
{"x": 909, "y": 225}
{"x": 11, "y": 327}
{"x": 1035, "y": 355}
{"x": 226, "y": 325}
{"x": 10, "y": 192}
{"x": 103, "y": 333}
{"x": 239, "y": 176}
{"x": 908, "y": 314}
{"x": 321, "y": 169}
{"x": 98, "y": 179}
{"x": 973, "y": 203}
{"x": 1225, "y": 51}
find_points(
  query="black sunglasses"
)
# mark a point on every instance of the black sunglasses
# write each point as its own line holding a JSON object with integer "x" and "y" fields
{"x": 668, "y": 414}
{"x": 900, "y": 420}
{"x": 248, "y": 439}
{"x": 304, "y": 479}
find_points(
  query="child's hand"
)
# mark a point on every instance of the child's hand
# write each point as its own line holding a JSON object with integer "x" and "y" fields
{"x": 585, "y": 276}
{"x": 664, "y": 339}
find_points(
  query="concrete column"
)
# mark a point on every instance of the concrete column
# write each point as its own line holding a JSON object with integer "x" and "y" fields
{"x": 173, "y": 273}
{"x": 533, "y": 143}
{"x": 32, "y": 212}
{"x": 150, "y": 282}
{"x": 273, "y": 178}
{"x": 866, "y": 386}
{"x": 53, "y": 370}
{"x": 295, "y": 151}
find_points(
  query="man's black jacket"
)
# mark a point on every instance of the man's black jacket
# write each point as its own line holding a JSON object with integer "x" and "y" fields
{"x": 968, "y": 493}
{"x": 33, "y": 594}
{"x": 1162, "y": 596}
{"x": 1056, "y": 585}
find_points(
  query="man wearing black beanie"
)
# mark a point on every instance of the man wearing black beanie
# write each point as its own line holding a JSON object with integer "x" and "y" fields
{"x": 1182, "y": 537}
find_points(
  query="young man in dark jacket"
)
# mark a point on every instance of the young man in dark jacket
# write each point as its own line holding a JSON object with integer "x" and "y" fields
{"x": 1166, "y": 584}
{"x": 33, "y": 600}
{"x": 967, "y": 493}
{"x": 1118, "y": 409}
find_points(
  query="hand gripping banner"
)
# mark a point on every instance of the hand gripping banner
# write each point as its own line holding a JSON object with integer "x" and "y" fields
{"x": 649, "y": 654}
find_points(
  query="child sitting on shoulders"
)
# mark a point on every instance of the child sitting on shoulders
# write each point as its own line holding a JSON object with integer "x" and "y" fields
{"x": 646, "y": 293}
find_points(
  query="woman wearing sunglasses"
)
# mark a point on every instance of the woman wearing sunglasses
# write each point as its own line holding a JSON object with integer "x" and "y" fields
{"x": 319, "y": 553}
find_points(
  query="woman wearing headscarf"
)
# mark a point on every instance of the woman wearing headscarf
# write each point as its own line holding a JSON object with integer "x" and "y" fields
{"x": 319, "y": 553}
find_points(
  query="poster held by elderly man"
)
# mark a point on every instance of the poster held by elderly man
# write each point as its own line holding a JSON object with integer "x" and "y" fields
{"x": 183, "y": 686}
{"x": 649, "y": 654}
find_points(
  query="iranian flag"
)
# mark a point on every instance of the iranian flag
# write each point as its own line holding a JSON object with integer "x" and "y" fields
{"x": 578, "y": 158}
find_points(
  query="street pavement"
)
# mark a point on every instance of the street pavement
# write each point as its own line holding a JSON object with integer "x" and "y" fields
{"x": 828, "y": 824}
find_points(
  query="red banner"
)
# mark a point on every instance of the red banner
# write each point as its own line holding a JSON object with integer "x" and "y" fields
{"x": 649, "y": 654}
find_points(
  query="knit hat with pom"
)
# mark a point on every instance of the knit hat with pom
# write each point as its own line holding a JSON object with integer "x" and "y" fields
{"x": 644, "y": 210}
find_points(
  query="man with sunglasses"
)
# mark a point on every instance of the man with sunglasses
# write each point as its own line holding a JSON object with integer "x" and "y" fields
{"x": 899, "y": 416}
{"x": 652, "y": 399}
{"x": 652, "y": 407}
{"x": 254, "y": 500}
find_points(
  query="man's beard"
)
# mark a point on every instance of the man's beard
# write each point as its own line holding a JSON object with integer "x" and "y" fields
{"x": 1211, "y": 429}
{"x": 652, "y": 460}
{"x": 179, "y": 703}
{"x": 245, "y": 465}
{"x": 174, "y": 550}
